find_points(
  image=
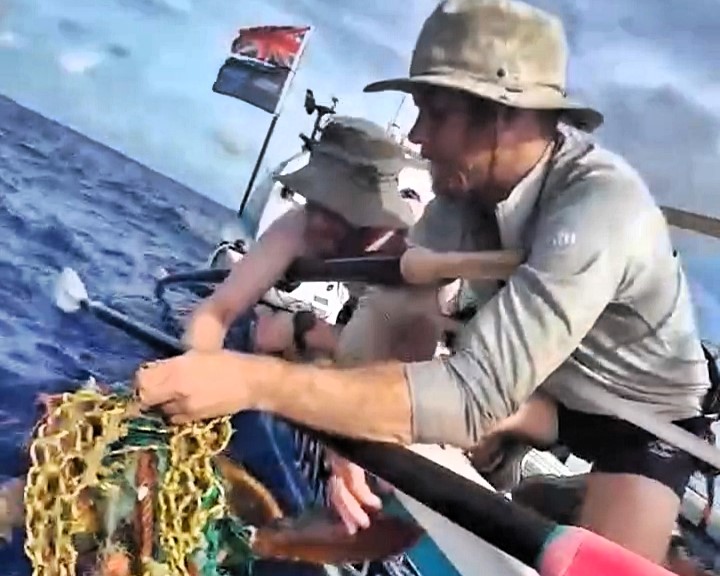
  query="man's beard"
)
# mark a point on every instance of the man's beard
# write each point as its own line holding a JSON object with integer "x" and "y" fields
{"x": 452, "y": 182}
{"x": 467, "y": 185}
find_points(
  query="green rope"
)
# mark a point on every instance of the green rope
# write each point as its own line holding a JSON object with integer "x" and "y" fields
{"x": 225, "y": 547}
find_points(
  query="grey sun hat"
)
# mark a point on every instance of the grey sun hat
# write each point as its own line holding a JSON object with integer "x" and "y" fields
{"x": 353, "y": 171}
{"x": 503, "y": 50}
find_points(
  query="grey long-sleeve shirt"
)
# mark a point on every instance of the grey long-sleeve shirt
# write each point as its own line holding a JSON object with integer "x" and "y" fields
{"x": 601, "y": 300}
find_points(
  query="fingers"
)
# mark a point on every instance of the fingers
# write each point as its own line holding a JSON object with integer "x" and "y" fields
{"x": 354, "y": 480}
{"x": 177, "y": 411}
{"x": 357, "y": 485}
{"x": 152, "y": 382}
{"x": 346, "y": 505}
{"x": 350, "y": 495}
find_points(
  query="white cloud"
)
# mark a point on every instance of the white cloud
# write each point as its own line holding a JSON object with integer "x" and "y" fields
{"x": 149, "y": 66}
{"x": 80, "y": 62}
{"x": 8, "y": 39}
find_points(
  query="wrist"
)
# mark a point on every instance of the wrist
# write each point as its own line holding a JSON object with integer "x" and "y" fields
{"x": 251, "y": 386}
{"x": 279, "y": 386}
{"x": 204, "y": 336}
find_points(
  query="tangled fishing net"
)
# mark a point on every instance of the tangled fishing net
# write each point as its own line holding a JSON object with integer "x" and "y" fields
{"x": 113, "y": 492}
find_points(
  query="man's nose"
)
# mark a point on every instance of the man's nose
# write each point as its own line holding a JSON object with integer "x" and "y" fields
{"x": 415, "y": 133}
{"x": 419, "y": 135}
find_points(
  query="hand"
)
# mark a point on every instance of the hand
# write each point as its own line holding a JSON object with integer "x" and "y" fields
{"x": 201, "y": 385}
{"x": 349, "y": 493}
{"x": 273, "y": 332}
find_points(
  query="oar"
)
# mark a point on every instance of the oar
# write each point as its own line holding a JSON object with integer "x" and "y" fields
{"x": 311, "y": 537}
{"x": 71, "y": 296}
{"x": 422, "y": 266}
{"x": 552, "y": 549}
{"x": 415, "y": 266}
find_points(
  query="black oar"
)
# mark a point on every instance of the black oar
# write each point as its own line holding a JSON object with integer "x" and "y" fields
{"x": 372, "y": 269}
{"x": 552, "y": 549}
{"x": 71, "y": 296}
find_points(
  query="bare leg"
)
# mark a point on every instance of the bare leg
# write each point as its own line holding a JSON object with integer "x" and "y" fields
{"x": 561, "y": 498}
{"x": 612, "y": 499}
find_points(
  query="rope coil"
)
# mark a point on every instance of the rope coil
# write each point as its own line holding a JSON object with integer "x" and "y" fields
{"x": 145, "y": 497}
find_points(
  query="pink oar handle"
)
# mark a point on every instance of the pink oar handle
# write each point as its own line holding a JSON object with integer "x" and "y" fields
{"x": 579, "y": 552}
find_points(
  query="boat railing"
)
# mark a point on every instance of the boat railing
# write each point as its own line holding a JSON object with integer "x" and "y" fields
{"x": 692, "y": 222}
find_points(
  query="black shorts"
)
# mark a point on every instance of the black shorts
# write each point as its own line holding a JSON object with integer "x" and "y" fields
{"x": 618, "y": 447}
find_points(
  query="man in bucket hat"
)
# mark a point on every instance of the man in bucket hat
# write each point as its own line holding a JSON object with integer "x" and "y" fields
{"x": 601, "y": 300}
{"x": 353, "y": 204}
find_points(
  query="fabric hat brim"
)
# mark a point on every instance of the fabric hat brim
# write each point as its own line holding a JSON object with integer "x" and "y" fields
{"x": 386, "y": 209}
{"x": 537, "y": 97}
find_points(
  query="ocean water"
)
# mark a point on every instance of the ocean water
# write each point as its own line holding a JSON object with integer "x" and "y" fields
{"x": 68, "y": 201}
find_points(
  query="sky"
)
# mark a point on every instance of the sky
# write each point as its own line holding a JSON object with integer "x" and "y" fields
{"x": 137, "y": 75}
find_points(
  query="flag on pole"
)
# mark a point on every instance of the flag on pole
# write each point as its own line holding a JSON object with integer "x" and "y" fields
{"x": 261, "y": 61}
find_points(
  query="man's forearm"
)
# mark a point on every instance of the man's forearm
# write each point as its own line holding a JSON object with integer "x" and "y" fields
{"x": 371, "y": 402}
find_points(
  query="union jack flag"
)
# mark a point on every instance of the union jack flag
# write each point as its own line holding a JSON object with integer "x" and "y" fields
{"x": 276, "y": 45}
{"x": 260, "y": 64}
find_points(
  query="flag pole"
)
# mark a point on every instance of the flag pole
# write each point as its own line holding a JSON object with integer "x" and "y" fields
{"x": 394, "y": 120}
{"x": 273, "y": 121}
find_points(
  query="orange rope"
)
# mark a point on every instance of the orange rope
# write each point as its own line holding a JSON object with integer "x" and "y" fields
{"x": 145, "y": 477}
{"x": 115, "y": 564}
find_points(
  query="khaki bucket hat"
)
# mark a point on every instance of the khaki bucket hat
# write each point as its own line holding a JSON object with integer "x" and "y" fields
{"x": 503, "y": 50}
{"x": 353, "y": 171}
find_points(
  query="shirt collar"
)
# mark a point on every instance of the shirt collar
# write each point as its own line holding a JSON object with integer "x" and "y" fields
{"x": 514, "y": 212}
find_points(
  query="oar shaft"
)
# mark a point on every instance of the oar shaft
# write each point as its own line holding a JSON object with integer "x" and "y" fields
{"x": 423, "y": 266}
{"x": 417, "y": 266}
{"x": 383, "y": 270}
{"x": 373, "y": 269}
{"x": 518, "y": 531}
{"x": 156, "y": 339}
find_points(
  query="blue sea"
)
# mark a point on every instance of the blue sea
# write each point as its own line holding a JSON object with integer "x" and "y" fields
{"x": 68, "y": 201}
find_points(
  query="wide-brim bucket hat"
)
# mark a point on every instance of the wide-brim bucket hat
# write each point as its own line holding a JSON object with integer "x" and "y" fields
{"x": 503, "y": 50}
{"x": 353, "y": 171}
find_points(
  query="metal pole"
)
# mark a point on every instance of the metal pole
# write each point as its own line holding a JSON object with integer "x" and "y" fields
{"x": 273, "y": 122}
{"x": 393, "y": 122}
{"x": 258, "y": 163}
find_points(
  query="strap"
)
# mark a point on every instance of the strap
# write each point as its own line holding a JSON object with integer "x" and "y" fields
{"x": 637, "y": 414}
{"x": 711, "y": 402}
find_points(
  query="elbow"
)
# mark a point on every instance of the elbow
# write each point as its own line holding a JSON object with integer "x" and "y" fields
{"x": 486, "y": 396}
{"x": 452, "y": 404}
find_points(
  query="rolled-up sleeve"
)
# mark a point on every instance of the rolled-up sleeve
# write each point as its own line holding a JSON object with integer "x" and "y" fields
{"x": 533, "y": 324}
